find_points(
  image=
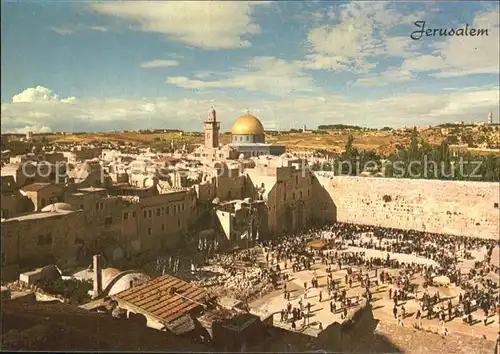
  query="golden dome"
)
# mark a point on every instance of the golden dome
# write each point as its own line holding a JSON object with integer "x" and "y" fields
{"x": 247, "y": 124}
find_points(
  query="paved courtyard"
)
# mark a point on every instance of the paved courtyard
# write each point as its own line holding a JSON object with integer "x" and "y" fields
{"x": 274, "y": 302}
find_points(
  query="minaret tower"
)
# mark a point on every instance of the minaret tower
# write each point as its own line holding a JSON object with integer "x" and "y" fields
{"x": 490, "y": 118}
{"x": 212, "y": 128}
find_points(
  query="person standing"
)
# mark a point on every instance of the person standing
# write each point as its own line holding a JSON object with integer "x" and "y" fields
{"x": 418, "y": 316}
{"x": 400, "y": 319}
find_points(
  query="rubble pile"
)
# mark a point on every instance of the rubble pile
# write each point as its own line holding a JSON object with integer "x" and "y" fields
{"x": 231, "y": 275}
{"x": 20, "y": 286}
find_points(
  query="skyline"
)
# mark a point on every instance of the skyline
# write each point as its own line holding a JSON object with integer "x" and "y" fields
{"x": 126, "y": 66}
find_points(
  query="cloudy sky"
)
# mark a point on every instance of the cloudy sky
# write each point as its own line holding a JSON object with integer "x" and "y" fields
{"x": 94, "y": 66}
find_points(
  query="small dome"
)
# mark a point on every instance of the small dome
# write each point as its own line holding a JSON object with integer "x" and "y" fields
{"x": 247, "y": 124}
{"x": 58, "y": 207}
{"x": 107, "y": 275}
{"x": 124, "y": 283}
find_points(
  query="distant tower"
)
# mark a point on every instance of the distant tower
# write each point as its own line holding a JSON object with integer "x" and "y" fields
{"x": 212, "y": 130}
{"x": 29, "y": 135}
{"x": 490, "y": 118}
{"x": 304, "y": 128}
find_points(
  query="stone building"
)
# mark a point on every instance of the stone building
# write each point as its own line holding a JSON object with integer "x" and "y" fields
{"x": 241, "y": 221}
{"x": 42, "y": 194}
{"x": 25, "y": 173}
{"x": 102, "y": 214}
{"x": 88, "y": 174}
{"x": 157, "y": 222}
{"x": 13, "y": 202}
{"x": 46, "y": 237}
{"x": 287, "y": 189}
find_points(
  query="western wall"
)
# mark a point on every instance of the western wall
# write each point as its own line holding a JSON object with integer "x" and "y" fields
{"x": 448, "y": 207}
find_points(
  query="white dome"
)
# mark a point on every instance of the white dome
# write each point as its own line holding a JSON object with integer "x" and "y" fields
{"x": 149, "y": 182}
{"x": 107, "y": 275}
{"x": 57, "y": 207}
{"x": 124, "y": 282}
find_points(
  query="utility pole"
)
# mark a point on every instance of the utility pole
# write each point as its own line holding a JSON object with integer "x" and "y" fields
{"x": 249, "y": 231}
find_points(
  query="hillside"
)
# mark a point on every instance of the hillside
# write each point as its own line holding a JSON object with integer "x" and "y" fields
{"x": 383, "y": 142}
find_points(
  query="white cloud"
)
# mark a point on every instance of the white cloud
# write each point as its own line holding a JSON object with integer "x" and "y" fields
{"x": 72, "y": 29}
{"x": 265, "y": 74}
{"x": 205, "y": 24}
{"x": 99, "y": 28}
{"x": 158, "y": 63}
{"x": 464, "y": 55}
{"x": 390, "y": 76}
{"x": 62, "y": 31}
{"x": 361, "y": 34}
{"x": 39, "y": 94}
{"x": 116, "y": 114}
{"x": 424, "y": 63}
{"x": 402, "y": 46}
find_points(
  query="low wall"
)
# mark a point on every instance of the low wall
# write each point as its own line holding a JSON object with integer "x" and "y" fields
{"x": 341, "y": 336}
{"x": 448, "y": 207}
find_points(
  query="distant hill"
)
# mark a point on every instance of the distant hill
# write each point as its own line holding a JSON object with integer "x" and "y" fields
{"x": 340, "y": 127}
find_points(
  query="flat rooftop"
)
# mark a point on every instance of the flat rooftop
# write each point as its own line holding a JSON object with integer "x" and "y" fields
{"x": 92, "y": 189}
{"x": 41, "y": 215}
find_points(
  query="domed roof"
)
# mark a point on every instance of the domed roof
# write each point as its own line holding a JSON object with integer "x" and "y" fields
{"x": 247, "y": 124}
{"x": 57, "y": 207}
{"x": 107, "y": 275}
{"x": 124, "y": 282}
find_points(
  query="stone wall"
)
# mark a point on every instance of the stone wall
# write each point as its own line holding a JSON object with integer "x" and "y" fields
{"x": 448, "y": 207}
{"x": 34, "y": 239}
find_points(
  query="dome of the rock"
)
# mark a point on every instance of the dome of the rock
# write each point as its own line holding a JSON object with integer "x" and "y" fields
{"x": 247, "y": 124}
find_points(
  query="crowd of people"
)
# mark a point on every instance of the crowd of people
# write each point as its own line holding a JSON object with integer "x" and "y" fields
{"x": 369, "y": 257}
{"x": 438, "y": 256}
